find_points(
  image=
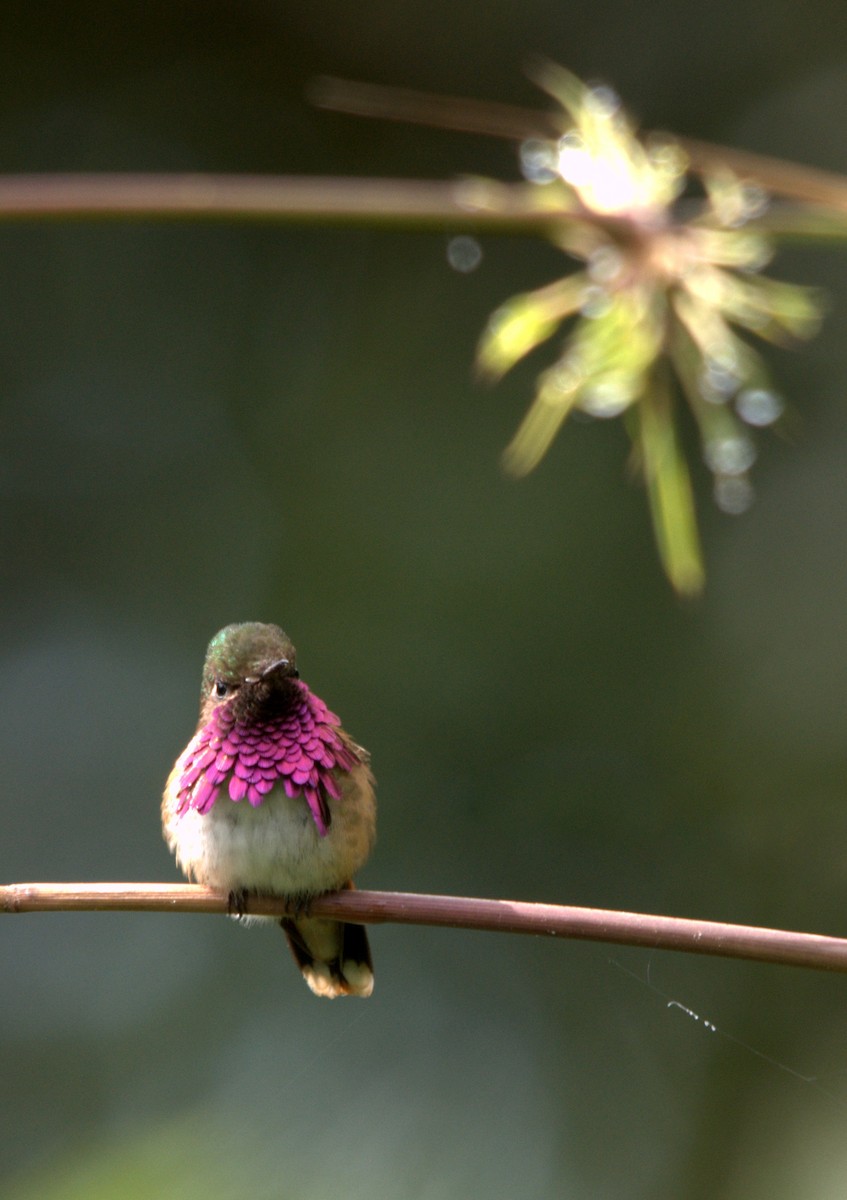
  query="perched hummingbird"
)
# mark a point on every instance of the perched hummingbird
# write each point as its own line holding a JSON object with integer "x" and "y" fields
{"x": 271, "y": 795}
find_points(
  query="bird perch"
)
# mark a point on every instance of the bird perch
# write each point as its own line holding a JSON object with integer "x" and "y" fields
{"x": 756, "y": 944}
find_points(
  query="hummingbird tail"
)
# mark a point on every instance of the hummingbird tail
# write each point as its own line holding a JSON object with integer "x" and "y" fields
{"x": 335, "y": 957}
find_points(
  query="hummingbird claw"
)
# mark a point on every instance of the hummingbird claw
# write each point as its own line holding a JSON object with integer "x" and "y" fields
{"x": 237, "y": 903}
{"x": 300, "y": 906}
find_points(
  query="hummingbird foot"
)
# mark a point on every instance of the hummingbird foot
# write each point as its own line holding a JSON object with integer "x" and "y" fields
{"x": 299, "y": 906}
{"x": 237, "y": 903}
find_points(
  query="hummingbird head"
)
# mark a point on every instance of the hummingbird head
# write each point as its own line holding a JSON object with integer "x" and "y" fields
{"x": 253, "y": 668}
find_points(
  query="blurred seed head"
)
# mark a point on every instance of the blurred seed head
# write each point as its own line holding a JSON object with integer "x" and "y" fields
{"x": 658, "y": 298}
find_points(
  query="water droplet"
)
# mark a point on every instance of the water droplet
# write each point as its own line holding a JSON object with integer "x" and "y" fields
{"x": 606, "y": 399}
{"x": 573, "y": 163}
{"x": 570, "y": 141}
{"x": 561, "y": 381}
{"x": 721, "y": 355}
{"x": 733, "y": 494}
{"x": 731, "y": 455}
{"x": 604, "y": 264}
{"x": 667, "y": 157}
{"x": 464, "y": 253}
{"x": 718, "y": 381}
{"x": 538, "y": 160}
{"x": 758, "y": 406}
{"x": 755, "y": 200}
{"x": 596, "y": 302}
{"x": 602, "y": 101}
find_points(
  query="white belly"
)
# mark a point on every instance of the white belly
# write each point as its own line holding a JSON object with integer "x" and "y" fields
{"x": 276, "y": 847}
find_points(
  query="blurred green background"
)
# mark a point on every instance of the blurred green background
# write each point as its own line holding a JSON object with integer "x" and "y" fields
{"x": 204, "y": 424}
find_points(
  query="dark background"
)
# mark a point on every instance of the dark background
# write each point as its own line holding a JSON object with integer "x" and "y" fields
{"x": 210, "y": 423}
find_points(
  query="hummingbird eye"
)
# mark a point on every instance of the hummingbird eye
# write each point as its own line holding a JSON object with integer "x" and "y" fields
{"x": 222, "y": 688}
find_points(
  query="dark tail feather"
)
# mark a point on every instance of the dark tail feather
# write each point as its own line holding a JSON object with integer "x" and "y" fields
{"x": 335, "y": 958}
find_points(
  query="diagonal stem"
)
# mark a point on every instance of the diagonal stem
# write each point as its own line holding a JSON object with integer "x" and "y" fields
{"x": 809, "y": 185}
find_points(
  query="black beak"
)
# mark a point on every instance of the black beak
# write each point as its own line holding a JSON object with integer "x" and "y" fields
{"x": 274, "y": 668}
{"x": 282, "y": 666}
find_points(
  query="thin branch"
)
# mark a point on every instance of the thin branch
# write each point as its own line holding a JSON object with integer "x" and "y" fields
{"x": 477, "y": 204}
{"x": 408, "y": 106}
{"x": 810, "y": 185}
{"x": 458, "y": 912}
{"x": 474, "y": 205}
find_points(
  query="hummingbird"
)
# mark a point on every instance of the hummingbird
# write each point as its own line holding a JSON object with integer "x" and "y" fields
{"x": 271, "y": 795}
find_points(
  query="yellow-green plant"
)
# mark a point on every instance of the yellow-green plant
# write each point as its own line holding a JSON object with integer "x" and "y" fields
{"x": 660, "y": 298}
